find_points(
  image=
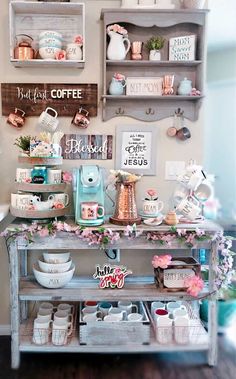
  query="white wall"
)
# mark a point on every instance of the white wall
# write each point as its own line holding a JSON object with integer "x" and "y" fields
{"x": 166, "y": 148}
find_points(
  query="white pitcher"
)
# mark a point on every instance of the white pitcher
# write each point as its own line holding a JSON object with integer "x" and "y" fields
{"x": 116, "y": 48}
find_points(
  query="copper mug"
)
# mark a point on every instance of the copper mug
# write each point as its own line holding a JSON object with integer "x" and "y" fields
{"x": 24, "y": 50}
{"x": 17, "y": 118}
{"x": 136, "y": 49}
{"x": 81, "y": 118}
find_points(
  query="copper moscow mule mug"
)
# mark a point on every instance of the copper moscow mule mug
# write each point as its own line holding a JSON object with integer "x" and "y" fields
{"x": 81, "y": 118}
{"x": 17, "y": 118}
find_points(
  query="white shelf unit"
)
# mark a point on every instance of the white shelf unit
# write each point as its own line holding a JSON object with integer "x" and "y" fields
{"x": 31, "y": 18}
{"x": 24, "y": 289}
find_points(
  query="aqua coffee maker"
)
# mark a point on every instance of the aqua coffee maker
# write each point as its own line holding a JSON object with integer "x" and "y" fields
{"x": 88, "y": 191}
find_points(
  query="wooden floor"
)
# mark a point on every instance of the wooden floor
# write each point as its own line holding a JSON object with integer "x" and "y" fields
{"x": 142, "y": 366}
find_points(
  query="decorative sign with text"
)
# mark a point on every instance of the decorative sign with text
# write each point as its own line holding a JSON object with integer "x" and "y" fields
{"x": 111, "y": 276}
{"x": 33, "y": 98}
{"x": 144, "y": 86}
{"x": 76, "y": 146}
{"x": 135, "y": 149}
{"x": 182, "y": 48}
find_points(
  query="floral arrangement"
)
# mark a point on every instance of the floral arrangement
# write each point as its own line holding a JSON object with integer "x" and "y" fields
{"x": 61, "y": 55}
{"x": 195, "y": 92}
{"x": 161, "y": 261}
{"x": 189, "y": 238}
{"x": 151, "y": 194}
{"x": 117, "y": 29}
{"x": 66, "y": 177}
{"x": 23, "y": 142}
{"x": 120, "y": 176}
{"x": 79, "y": 40}
{"x": 119, "y": 77}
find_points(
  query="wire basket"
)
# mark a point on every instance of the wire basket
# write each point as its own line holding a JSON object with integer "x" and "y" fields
{"x": 44, "y": 333}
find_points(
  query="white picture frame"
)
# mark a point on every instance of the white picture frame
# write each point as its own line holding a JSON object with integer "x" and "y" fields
{"x": 182, "y": 48}
{"x": 136, "y": 149}
{"x": 144, "y": 86}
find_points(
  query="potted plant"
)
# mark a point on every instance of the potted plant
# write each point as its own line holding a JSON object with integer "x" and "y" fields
{"x": 23, "y": 142}
{"x": 154, "y": 45}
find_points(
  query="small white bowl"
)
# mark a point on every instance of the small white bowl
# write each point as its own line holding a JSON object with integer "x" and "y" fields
{"x": 50, "y": 34}
{"x": 53, "y": 280}
{"x": 54, "y": 267}
{"x": 56, "y": 257}
{"x": 48, "y": 52}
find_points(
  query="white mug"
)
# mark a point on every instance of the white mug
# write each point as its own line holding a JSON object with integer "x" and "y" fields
{"x": 41, "y": 331}
{"x": 180, "y": 193}
{"x": 91, "y": 305}
{"x": 152, "y": 207}
{"x": 181, "y": 312}
{"x": 43, "y": 205}
{"x": 181, "y": 330}
{"x": 171, "y": 306}
{"x": 104, "y": 307}
{"x": 189, "y": 208}
{"x": 135, "y": 317}
{"x": 156, "y": 305}
{"x": 46, "y": 305}
{"x": 53, "y": 176}
{"x": 62, "y": 316}
{"x": 195, "y": 180}
{"x": 204, "y": 191}
{"x": 23, "y": 175}
{"x": 164, "y": 330}
{"x": 91, "y": 318}
{"x": 60, "y": 332}
{"x": 73, "y": 51}
{"x": 44, "y": 314}
{"x": 117, "y": 313}
{"x": 47, "y": 121}
{"x": 111, "y": 318}
{"x": 56, "y": 150}
{"x": 127, "y": 306}
{"x": 65, "y": 307}
{"x": 60, "y": 198}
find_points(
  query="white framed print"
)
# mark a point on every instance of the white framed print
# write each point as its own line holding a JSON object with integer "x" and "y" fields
{"x": 136, "y": 149}
{"x": 182, "y": 48}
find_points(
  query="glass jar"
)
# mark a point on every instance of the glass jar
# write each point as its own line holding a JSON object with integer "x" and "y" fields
{"x": 39, "y": 175}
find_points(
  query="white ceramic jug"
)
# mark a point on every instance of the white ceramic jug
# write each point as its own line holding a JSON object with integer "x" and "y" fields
{"x": 116, "y": 48}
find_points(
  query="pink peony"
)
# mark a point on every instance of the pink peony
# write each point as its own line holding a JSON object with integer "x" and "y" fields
{"x": 161, "y": 261}
{"x": 79, "y": 40}
{"x": 61, "y": 55}
{"x": 119, "y": 77}
{"x": 194, "y": 285}
{"x": 43, "y": 232}
{"x": 58, "y": 205}
{"x": 117, "y": 29}
{"x": 152, "y": 194}
{"x": 67, "y": 176}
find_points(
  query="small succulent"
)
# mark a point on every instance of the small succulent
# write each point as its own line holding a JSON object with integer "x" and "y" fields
{"x": 155, "y": 43}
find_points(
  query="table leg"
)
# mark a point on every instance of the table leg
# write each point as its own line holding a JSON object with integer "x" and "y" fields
{"x": 212, "y": 307}
{"x": 24, "y": 272}
{"x": 14, "y": 301}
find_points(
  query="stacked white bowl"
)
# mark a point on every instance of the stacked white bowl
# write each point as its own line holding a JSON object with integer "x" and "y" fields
{"x": 55, "y": 270}
{"x": 50, "y": 43}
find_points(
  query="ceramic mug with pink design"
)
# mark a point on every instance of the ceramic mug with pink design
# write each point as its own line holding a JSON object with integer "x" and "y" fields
{"x": 91, "y": 210}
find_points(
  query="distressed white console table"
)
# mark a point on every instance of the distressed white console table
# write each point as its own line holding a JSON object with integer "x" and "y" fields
{"x": 24, "y": 288}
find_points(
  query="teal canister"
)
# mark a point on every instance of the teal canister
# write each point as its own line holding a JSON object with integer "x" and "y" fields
{"x": 39, "y": 175}
{"x": 185, "y": 87}
{"x": 116, "y": 87}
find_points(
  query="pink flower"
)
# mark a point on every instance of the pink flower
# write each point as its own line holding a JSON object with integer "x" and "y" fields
{"x": 58, "y": 205}
{"x": 117, "y": 29}
{"x": 28, "y": 180}
{"x": 60, "y": 226}
{"x": 119, "y": 77}
{"x": 61, "y": 55}
{"x": 161, "y": 261}
{"x": 79, "y": 39}
{"x": 194, "y": 285}
{"x": 67, "y": 176}
{"x": 151, "y": 192}
{"x": 43, "y": 232}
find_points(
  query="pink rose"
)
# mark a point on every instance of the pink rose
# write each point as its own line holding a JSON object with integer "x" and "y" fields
{"x": 43, "y": 232}
{"x": 67, "y": 176}
{"x": 79, "y": 40}
{"x": 61, "y": 55}
{"x": 161, "y": 261}
{"x": 194, "y": 285}
{"x": 58, "y": 205}
{"x": 119, "y": 77}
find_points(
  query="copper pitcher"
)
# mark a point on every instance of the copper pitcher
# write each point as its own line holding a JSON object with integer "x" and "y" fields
{"x": 23, "y": 49}
{"x": 126, "y": 209}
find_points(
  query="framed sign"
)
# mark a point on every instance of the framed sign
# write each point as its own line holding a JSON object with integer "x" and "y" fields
{"x": 150, "y": 86}
{"x": 182, "y": 48}
{"x": 84, "y": 146}
{"x": 136, "y": 149}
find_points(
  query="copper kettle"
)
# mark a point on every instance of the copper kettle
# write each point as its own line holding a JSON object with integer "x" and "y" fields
{"x": 24, "y": 50}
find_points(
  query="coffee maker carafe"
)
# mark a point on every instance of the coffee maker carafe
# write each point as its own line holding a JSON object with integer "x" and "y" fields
{"x": 88, "y": 190}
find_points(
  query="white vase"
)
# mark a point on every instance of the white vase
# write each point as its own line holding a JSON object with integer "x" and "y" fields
{"x": 73, "y": 52}
{"x": 154, "y": 55}
{"x": 116, "y": 49}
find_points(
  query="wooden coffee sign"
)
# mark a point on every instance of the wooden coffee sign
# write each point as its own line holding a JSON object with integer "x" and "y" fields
{"x": 33, "y": 98}
{"x": 76, "y": 146}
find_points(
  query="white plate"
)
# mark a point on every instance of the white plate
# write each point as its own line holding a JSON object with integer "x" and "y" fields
{"x": 153, "y": 221}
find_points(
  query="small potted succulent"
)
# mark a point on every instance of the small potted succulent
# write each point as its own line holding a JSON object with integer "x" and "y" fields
{"x": 154, "y": 45}
{"x": 23, "y": 142}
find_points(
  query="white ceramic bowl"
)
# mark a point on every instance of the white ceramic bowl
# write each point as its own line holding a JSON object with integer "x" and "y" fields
{"x": 50, "y": 34}
{"x": 52, "y": 44}
{"x": 48, "y": 52}
{"x": 56, "y": 257}
{"x": 53, "y": 280}
{"x": 50, "y": 41}
{"x": 54, "y": 267}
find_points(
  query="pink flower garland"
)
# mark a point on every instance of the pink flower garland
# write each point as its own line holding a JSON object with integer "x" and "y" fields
{"x": 194, "y": 285}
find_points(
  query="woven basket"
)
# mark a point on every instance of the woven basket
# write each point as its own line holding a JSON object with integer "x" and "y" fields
{"x": 193, "y": 4}
{"x": 172, "y": 278}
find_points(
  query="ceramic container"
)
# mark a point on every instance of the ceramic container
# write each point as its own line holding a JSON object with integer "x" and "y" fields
{"x": 53, "y": 280}
{"x": 56, "y": 258}
{"x": 54, "y": 267}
